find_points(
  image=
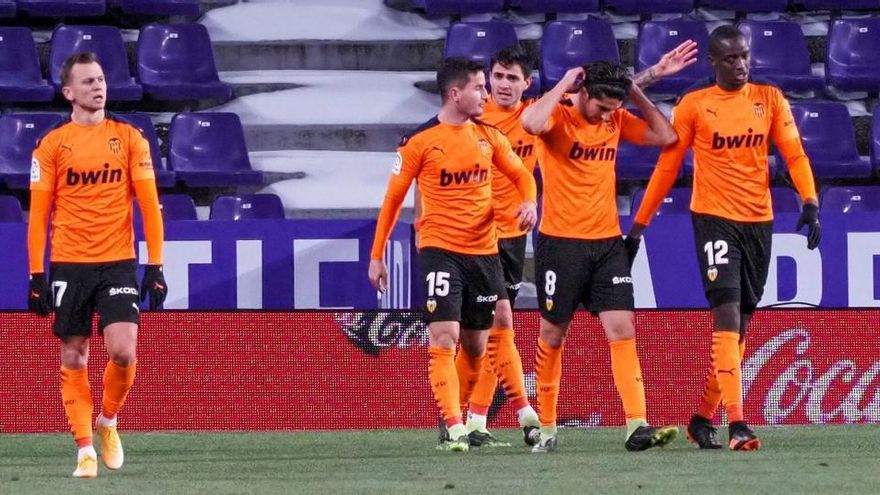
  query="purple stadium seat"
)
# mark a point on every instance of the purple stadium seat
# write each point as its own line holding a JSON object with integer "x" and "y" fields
{"x": 747, "y": 5}
{"x": 178, "y": 207}
{"x": 62, "y": 8}
{"x": 157, "y": 7}
{"x": 635, "y": 162}
{"x": 851, "y": 199}
{"x": 553, "y": 6}
{"x": 247, "y": 207}
{"x": 7, "y": 8}
{"x": 785, "y": 200}
{"x": 208, "y": 149}
{"x": 106, "y": 42}
{"x": 658, "y": 37}
{"x": 10, "y": 209}
{"x": 20, "y": 77}
{"x": 568, "y": 44}
{"x": 780, "y": 55}
{"x": 875, "y": 139}
{"x": 479, "y": 40}
{"x": 458, "y": 7}
{"x": 835, "y": 4}
{"x": 649, "y": 6}
{"x": 164, "y": 177}
{"x": 677, "y": 202}
{"x": 176, "y": 62}
{"x": 829, "y": 139}
{"x": 18, "y": 138}
{"x": 853, "y": 59}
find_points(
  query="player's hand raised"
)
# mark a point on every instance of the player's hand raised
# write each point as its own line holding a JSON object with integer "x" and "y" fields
{"x": 573, "y": 80}
{"x": 527, "y": 215}
{"x": 810, "y": 218}
{"x": 378, "y": 274}
{"x": 676, "y": 60}
{"x": 39, "y": 295}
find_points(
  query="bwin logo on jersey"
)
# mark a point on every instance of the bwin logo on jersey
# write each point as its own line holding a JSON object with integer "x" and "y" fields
{"x": 115, "y": 291}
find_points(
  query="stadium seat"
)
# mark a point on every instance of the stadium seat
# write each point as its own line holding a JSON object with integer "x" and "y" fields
{"x": 852, "y": 62}
{"x": 178, "y": 207}
{"x": 164, "y": 177}
{"x": 208, "y": 149}
{"x": 647, "y": 7}
{"x": 851, "y": 199}
{"x": 836, "y": 4}
{"x": 658, "y": 37}
{"x": 568, "y": 44}
{"x": 458, "y": 7}
{"x": 479, "y": 40}
{"x": 20, "y": 76}
{"x": 10, "y": 209}
{"x": 829, "y": 139}
{"x": 7, "y": 8}
{"x": 176, "y": 62}
{"x": 780, "y": 55}
{"x": 62, "y": 8}
{"x": 635, "y": 162}
{"x": 746, "y": 5}
{"x": 106, "y": 42}
{"x": 247, "y": 207}
{"x": 18, "y": 137}
{"x": 157, "y": 7}
{"x": 875, "y": 140}
{"x": 785, "y": 200}
{"x": 677, "y": 202}
{"x": 554, "y": 6}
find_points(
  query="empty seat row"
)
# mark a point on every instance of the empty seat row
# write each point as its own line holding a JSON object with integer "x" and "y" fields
{"x": 174, "y": 62}
{"x": 643, "y": 7}
{"x": 204, "y": 149}
{"x": 72, "y": 8}
{"x": 779, "y": 50}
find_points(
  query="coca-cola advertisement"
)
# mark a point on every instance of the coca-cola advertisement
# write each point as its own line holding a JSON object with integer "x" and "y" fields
{"x": 354, "y": 370}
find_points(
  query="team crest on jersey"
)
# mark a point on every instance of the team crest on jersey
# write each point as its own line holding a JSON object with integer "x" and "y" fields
{"x": 485, "y": 147}
{"x": 758, "y": 108}
{"x": 712, "y": 273}
{"x": 115, "y": 145}
{"x": 610, "y": 126}
{"x": 548, "y": 303}
{"x": 431, "y": 304}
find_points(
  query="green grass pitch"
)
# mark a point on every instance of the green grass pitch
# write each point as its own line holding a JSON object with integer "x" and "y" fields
{"x": 826, "y": 459}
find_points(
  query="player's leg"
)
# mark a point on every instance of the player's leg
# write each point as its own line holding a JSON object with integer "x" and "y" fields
{"x": 117, "y": 304}
{"x": 442, "y": 311}
{"x": 74, "y": 307}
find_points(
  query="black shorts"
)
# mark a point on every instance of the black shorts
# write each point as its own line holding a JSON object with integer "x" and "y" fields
{"x": 461, "y": 287}
{"x": 512, "y": 252}
{"x": 734, "y": 259}
{"x": 80, "y": 289}
{"x": 569, "y": 272}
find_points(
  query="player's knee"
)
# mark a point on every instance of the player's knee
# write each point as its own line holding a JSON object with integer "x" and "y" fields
{"x": 473, "y": 347}
{"x": 74, "y": 355}
{"x": 553, "y": 334}
{"x": 727, "y": 316}
{"x": 503, "y": 315}
{"x": 123, "y": 358}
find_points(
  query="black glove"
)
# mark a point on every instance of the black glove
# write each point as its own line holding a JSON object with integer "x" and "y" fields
{"x": 39, "y": 295}
{"x": 632, "y": 244}
{"x": 154, "y": 285}
{"x": 810, "y": 218}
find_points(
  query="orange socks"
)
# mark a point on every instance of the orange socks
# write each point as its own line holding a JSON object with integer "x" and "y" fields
{"x": 728, "y": 372}
{"x": 444, "y": 383}
{"x": 712, "y": 394}
{"x": 628, "y": 378}
{"x": 548, "y": 373}
{"x": 484, "y": 390}
{"x": 505, "y": 360}
{"x": 77, "y": 398}
{"x": 117, "y": 383}
{"x": 467, "y": 368}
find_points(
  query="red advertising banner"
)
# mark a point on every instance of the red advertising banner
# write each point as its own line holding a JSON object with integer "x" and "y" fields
{"x": 352, "y": 370}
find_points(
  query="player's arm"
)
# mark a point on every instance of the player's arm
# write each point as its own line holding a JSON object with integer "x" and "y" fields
{"x": 659, "y": 131}
{"x": 510, "y": 164}
{"x": 538, "y": 117}
{"x": 402, "y": 174}
{"x": 143, "y": 178}
{"x": 672, "y": 62}
{"x": 42, "y": 197}
{"x": 787, "y": 138}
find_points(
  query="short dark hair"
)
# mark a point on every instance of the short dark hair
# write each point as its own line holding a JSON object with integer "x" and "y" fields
{"x": 76, "y": 58}
{"x": 514, "y": 55}
{"x": 723, "y": 32}
{"x": 456, "y": 71}
{"x": 607, "y": 80}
